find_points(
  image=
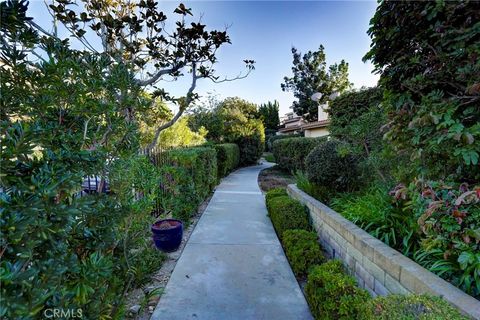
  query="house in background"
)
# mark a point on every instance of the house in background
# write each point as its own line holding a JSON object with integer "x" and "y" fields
{"x": 291, "y": 123}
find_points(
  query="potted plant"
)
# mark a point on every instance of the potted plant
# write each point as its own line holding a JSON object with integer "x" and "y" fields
{"x": 167, "y": 234}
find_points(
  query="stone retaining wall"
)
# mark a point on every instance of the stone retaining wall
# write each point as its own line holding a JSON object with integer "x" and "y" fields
{"x": 378, "y": 268}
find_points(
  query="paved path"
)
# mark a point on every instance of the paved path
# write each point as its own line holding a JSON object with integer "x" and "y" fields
{"x": 233, "y": 266}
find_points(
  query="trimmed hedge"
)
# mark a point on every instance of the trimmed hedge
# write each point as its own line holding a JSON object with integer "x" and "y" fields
{"x": 332, "y": 294}
{"x": 326, "y": 167}
{"x": 275, "y": 192}
{"x": 186, "y": 179}
{"x": 251, "y": 146}
{"x": 290, "y": 153}
{"x": 273, "y": 138}
{"x": 302, "y": 250}
{"x": 410, "y": 307}
{"x": 287, "y": 213}
{"x": 228, "y": 158}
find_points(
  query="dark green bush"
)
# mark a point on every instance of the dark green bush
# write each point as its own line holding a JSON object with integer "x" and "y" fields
{"x": 410, "y": 307}
{"x": 326, "y": 167}
{"x": 302, "y": 250}
{"x": 332, "y": 294}
{"x": 228, "y": 158}
{"x": 273, "y": 138}
{"x": 275, "y": 192}
{"x": 251, "y": 147}
{"x": 290, "y": 153}
{"x": 186, "y": 179}
{"x": 287, "y": 213}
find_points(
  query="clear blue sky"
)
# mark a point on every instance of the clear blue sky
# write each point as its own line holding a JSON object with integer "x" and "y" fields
{"x": 265, "y": 31}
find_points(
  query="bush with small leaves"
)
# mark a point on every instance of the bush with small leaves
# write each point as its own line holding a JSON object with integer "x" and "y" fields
{"x": 410, "y": 307}
{"x": 332, "y": 294}
{"x": 287, "y": 213}
{"x": 327, "y": 167}
{"x": 290, "y": 153}
{"x": 273, "y": 193}
{"x": 302, "y": 250}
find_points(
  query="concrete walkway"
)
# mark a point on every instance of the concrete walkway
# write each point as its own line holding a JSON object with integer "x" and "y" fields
{"x": 233, "y": 266}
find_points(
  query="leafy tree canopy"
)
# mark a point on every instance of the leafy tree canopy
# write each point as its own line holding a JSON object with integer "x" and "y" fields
{"x": 427, "y": 54}
{"x": 137, "y": 47}
{"x": 311, "y": 75}
{"x": 269, "y": 115}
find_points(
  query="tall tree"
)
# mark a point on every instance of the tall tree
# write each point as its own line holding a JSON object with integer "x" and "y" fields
{"x": 311, "y": 75}
{"x": 136, "y": 41}
{"x": 427, "y": 55}
{"x": 269, "y": 115}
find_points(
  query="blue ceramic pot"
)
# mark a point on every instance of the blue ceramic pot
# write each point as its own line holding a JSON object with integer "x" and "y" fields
{"x": 167, "y": 234}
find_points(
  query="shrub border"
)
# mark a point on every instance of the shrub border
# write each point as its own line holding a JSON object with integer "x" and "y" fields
{"x": 379, "y": 269}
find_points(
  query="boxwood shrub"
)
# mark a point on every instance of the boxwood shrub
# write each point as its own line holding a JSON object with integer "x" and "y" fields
{"x": 327, "y": 167}
{"x": 290, "y": 153}
{"x": 287, "y": 213}
{"x": 302, "y": 250}
{"x": 228, "y": 158}
{"x": 332, "y": 294}
{"x": 410, "y": 307}
{"x": 275, "y": 192}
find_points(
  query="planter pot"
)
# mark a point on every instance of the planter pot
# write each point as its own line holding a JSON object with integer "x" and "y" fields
{"x": 167, "y": 234}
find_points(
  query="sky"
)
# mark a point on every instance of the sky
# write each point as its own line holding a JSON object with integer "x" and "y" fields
{"x": 265, "y": 31}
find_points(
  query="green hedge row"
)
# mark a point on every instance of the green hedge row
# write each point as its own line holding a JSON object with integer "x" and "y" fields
{"x": 330, "y": 292}
{"x": 290, "y": 153}
{"x": 302, "y": 250}
{"x": 228, "y": 158}
{"x": 287, "y": 213}
{"x": 272, "y": 139}
{"x": 186, "y": 179}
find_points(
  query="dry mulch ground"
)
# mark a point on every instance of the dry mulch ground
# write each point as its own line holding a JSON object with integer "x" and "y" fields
{"x": 274, "y": 178}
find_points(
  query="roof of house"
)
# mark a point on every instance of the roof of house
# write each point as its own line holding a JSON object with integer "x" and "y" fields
{"x": 290, "y": 129}
{"x": 316, "y": 124}
{"x": 288, "y": 120}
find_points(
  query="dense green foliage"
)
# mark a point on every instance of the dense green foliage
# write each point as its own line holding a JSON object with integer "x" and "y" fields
{"x": 287, "y": 213}
{"x": 228, "y": 158}
{"x": 302, "y": 250}
{"x": 234, "y": 120}
{"x": 357, "y": 119}
{"x": 427, "y": 56}
{"x": 348, "y": 107}
{"x": 273, "y": 138}
{"x": 327, "y": 167}
{"x": 410, "y": 307}
{"x": 187, "y": 178}
{"x": 375, "y": 211}
{"x": 178, "y": 135}
{"x": 273, "y": 193}
{"x": 311, "y": 75}
{"x": 332, "y": 294}
{"x": 449, "y": 219}
{"x": 290, "y": 153}
{"x": 269, "y": 114}
{"x": 67, "y": 114}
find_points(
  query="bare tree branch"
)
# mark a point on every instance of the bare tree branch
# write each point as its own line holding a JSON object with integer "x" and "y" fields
{"x": 181, "y": 109}
{"x": 159, "y": 74}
